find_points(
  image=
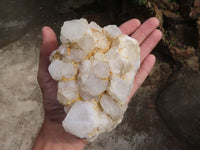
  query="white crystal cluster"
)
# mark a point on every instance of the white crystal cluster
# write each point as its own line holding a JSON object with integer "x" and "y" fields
{"x": 95, "y": 69}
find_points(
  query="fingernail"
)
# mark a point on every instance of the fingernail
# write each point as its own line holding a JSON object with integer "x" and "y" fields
{"x": 45, "y": 28}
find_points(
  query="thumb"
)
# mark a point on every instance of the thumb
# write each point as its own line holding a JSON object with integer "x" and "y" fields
{"x": 49, "y": 44}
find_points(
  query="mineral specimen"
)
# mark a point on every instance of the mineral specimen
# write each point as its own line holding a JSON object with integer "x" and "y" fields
{"x": 95, "y": 69}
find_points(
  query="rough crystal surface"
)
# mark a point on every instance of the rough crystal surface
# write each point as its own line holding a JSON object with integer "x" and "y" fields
{"x": 95, "y": 69}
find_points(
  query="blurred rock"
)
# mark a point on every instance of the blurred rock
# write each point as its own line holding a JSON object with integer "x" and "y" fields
{"x": 179, "y": 107}
{"x": 21, "y": 110}
{"x": 17, "y": 18}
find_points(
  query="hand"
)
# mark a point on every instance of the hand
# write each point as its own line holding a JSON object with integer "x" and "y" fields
{"x": 146, "y": 34}
{"x": 148, "y": 37}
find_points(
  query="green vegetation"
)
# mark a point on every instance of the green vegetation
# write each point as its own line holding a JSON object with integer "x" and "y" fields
{"x": 151, "y": 9}
{"x": 142, "y": 2}
{"x": 139, "y": 2}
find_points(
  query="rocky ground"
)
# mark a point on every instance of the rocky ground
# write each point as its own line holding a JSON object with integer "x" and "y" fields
{"x": 163, "y": 114}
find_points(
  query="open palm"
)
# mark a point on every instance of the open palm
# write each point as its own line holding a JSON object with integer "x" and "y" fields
{"x": 146, "y": 34}
{"x": 52, "y": 135}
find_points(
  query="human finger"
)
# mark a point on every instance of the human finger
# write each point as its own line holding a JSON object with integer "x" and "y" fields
{"x": 148, "y": 45}
{"x": 129, "y": 26}
{"x": 145, "y": 29}
{"x": 49, "y": 43}
{"x": 142, "y": 73}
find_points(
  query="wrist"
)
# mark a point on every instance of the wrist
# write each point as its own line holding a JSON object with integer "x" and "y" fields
{"x": 53, "y": 136}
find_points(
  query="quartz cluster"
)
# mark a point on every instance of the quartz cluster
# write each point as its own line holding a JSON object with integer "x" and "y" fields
{"x": 95, "y": 69}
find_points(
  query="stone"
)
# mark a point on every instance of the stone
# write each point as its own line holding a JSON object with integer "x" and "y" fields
{"x": 18, "y": 18}
{"x": 111, "y": 107}
{"x": 179, "y": 107}
{"x": 81, "y": 119}
{"x": 95, "y": 69}
{"x": 67, "y": 91}
{"x": 59, "y": 69}
{"x": 21, "y": 112}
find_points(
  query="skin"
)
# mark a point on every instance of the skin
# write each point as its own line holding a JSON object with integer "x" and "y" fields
{"x": 52, "y": 135}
